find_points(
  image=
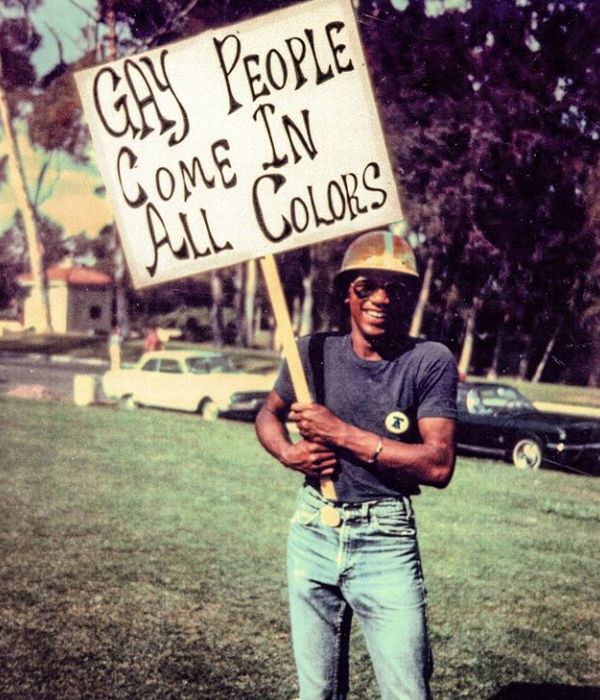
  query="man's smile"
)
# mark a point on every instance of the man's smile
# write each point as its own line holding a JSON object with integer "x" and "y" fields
{"x": 376, "y": 314}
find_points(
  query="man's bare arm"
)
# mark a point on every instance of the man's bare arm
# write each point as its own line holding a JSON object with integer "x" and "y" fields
{"x": 311, "y": 458}
{"x": 430, "y": 462}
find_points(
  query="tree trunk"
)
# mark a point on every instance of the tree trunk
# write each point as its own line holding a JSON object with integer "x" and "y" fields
{"x": 469, "y": 340}
{"x": 296, "y": 313}
{"x": 417, "y": 319}
{"x": 42, "y": 321}
{"x": 238, "y": 304}
{"x": 122, "y": 307}
{"x": 546, "y": 356}
{"x": 216, "y": 310}
{"x": 306, "y": 313}
{"x": 594, "y": 375}
{"x": 249, "y": 302}
{"x": 111, "y": 31}
{"x": 525, "y": 359}
{"x": 492, "y": 372}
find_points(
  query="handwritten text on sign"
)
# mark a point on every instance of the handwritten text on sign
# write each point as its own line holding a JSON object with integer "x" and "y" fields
{"x": 253, "y": 139}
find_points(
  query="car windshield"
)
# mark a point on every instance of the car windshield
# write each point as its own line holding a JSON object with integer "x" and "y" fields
{"x": 206, "y": 365}
{"x": 503, "y": 398}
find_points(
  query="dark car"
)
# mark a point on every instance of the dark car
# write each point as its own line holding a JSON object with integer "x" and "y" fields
{"x": 497, "y": 420}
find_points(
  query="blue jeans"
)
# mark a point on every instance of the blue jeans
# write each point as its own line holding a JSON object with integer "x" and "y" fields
{"x": 369, "y": 565}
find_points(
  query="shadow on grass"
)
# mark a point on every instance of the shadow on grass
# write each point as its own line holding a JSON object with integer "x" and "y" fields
{"x": 546, "y": 691}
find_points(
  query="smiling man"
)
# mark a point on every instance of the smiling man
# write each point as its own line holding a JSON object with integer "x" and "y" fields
{"x": 383, "y": 426}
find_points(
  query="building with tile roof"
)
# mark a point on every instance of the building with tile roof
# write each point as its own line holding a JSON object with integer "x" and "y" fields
{"x": 81, "y": 299}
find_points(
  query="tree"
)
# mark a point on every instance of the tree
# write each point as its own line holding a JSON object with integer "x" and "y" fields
{"x": 591, "y": 316}
{"x": 13, "y": 259}
{"x": 17, "y": 41}
{"x": 492, "y": 157}
{"x": 491, "y": 116}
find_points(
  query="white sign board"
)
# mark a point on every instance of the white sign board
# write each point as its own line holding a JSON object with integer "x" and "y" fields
{"x": 241, "y": 142}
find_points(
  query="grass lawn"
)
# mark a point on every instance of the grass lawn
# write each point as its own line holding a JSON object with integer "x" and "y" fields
{"x": 142, "y": 556}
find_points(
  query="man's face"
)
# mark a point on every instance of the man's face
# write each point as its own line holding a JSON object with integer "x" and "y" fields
{"x": 377, "y": 301}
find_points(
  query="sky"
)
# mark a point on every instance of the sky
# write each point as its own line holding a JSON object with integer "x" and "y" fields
{"x": 71, "y": 202}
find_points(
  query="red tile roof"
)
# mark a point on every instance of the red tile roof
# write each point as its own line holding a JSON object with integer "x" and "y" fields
{"x": 85, "y": 276}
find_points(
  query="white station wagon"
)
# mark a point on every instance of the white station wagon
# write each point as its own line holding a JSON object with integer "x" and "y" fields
{"x": 189, "y": 380}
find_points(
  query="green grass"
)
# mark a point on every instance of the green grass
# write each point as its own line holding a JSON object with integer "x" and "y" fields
{"x": 142, "y": 555}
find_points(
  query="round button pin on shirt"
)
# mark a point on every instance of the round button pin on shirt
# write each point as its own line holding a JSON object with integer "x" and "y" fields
{"x": 330, "y": 516}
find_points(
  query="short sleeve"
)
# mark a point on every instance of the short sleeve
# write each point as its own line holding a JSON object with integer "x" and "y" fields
{"x": 283, "y": 384}
{"x": 437, "y": 383}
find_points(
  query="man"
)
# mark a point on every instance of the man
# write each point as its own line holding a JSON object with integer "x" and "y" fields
{"x": 152, "y": 340}
{"x": 386, "y": 427}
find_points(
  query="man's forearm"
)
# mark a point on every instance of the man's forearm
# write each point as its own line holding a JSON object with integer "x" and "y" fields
{"x": 272, "y": 433}
{"x": 430, "y": 462}
{"x": 426, "y": 463}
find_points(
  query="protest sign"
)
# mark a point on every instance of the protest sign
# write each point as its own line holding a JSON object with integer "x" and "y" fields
{"x": 240, "y": 142}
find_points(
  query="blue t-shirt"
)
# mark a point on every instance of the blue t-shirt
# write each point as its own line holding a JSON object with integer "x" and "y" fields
{"x": 386, "y": 397}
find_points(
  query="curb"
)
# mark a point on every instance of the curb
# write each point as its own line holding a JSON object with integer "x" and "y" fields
{"x": 93, "y": 361}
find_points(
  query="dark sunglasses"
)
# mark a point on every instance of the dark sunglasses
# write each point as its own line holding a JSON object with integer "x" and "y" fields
{"x": 364, "y": 288}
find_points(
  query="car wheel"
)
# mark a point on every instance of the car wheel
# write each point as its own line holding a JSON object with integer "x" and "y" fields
{"x": 209, "y": 410}
{"x": 527, "y": 454}
{"x": 128, "y": 402}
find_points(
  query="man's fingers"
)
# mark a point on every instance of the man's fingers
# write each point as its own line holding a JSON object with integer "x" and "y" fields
{"x": 329, "y": 471}
{"x": 297, "y": 406}
{"x": 319, "y": 457}
{"x": 324, "y": 469}
{"x": 316, "y": 447}
{"x": 297, "y": 409}
{"x": 322, "y": 457}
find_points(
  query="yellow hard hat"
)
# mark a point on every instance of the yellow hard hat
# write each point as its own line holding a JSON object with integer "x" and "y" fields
{"x": 380, "y": 250}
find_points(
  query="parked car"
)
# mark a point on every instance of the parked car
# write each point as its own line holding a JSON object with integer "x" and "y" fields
{"x": 199, "y": 381}
{"x": 496, "y": 419}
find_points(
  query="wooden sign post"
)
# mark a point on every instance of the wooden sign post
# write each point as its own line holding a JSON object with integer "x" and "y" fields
{"x": 241, "y": 143}
{"x": 290, "y": 349}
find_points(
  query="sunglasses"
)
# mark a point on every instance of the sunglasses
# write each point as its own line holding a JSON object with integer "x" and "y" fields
{"x": 394, "y": 291}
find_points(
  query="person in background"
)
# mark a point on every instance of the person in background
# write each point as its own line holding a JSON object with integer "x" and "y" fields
{"x": 383, "y": 427}
{"x": 152, "y": 340}
{"x": 115, "y": 341}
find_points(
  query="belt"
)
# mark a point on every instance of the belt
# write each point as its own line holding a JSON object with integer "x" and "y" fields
{"x": 333, "y": 513}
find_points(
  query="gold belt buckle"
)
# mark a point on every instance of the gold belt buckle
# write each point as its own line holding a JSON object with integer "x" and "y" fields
{"x": 330, "y": 516}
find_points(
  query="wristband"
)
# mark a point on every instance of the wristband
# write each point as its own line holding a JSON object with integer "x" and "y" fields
{"x": 378, "y": 449}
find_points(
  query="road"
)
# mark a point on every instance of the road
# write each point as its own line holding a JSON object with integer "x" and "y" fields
{"x": 56, "y": 374}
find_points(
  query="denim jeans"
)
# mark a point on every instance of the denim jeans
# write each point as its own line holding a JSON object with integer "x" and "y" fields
{"x": 368, "y": 566}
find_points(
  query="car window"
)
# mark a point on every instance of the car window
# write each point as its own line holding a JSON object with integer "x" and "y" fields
{"x": 150, "y": 366}
{"x": 196, "y": 365}
{"x": 475, "y": 404}
{"x": 203, "y": 365}
{"x": 503, "y": 397}
{"x": 220, "y": 364}
{"x": 170, "y": 366}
